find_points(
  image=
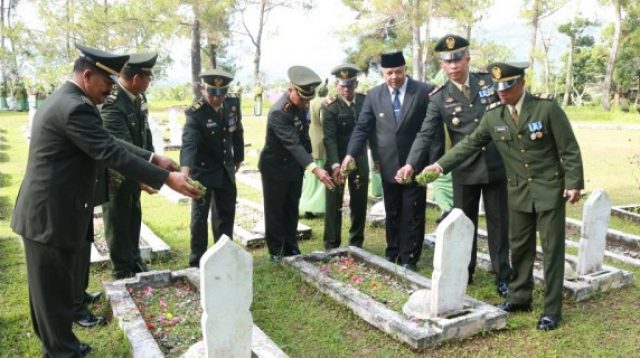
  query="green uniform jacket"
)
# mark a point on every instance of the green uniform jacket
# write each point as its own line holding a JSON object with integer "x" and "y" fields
{"x": 538, "y": 170}
{"x": 135, "y": 126}
{"x": 212, "y": 143}
{"x": 287, "y": 148}
{"x": 68, "y": 143}
{"x": 461, "y": 116}
{"x": 338, "y": 122}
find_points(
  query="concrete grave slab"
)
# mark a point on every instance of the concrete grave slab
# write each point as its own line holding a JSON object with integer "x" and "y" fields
{"x": 474, "y": 317}
{"x": 142, "y": 343}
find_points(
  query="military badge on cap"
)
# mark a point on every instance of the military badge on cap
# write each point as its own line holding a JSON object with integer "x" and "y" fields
{"x": 451, "y": 47}
{"x": 496, "y": 72}
{"x": 216, "y": 81}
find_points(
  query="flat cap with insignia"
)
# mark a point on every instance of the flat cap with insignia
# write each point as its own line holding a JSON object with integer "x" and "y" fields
{"x": 451, "y": 47}
{"x": 392, "y": 59}
{"x": 346, "y": 74}
{"x": 142, "y": 62}
{"x": 107, "y": 62}
{"x": 506, "y": 74}
{"x": 217, "y": 81}
{"x": 304, "y": 80}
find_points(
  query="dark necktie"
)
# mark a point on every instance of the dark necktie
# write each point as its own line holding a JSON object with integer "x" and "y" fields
{"x": 396, "y": 105}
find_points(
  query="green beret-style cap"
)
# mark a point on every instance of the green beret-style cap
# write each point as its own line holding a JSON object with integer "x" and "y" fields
{"x": 451, "y": 47}
{"x": 108, "y": 62}
{"x": 304, "y": 80}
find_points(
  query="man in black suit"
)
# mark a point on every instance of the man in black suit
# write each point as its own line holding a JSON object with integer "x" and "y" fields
{"x": 394, "y": 111}
{"x": 55, "y": 204}
{"x": 212, "y": 151}
{"x": 284, "y": 158}
{"x": 460, "y": 104}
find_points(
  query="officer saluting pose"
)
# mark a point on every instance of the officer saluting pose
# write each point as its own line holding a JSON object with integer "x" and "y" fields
{"x": 212, "y": 151}
{"x": 339, "y": 117}
{"x": 284, "y": 158}
{"x": 544, "y": 169}
{"x": 459, "y": 104}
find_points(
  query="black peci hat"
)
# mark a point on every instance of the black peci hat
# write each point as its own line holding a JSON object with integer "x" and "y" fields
{"x": 391, "y": 60}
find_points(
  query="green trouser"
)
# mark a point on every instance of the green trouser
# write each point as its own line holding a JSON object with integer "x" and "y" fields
{"x": 333, "y": 214}
{"x": 522, "y": 240}
{"x": 122, "y": 217}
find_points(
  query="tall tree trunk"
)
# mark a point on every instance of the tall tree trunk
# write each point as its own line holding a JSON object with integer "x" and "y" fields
{"x": 3, "y": 66}
{"x": 416, "y": 45}
{"x": 196, "y": 64}
{"x": 258, "y": 43}
{"x": 547, "y": 71}
{"x": 535, "y": 20}
{"x": 427, "y": 37}
{"x": 568, "y": 81}
{"x": 213, "y": 54}
{"x": 608, "y": 78}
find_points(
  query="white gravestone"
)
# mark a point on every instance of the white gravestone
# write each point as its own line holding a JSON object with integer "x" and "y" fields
{"x": 175, "y": 130}
{"x": 593, "y": 236}
{"x": 454, "y": 237}
{"x": 226, "y": 284}
{"x": 157, "y": 136}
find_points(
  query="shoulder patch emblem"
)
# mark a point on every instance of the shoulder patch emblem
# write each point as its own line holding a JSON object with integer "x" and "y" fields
{"x": 329, "y": 100}
{"x": 494, "y": 105}
{"x": 196, "y": 106}
{"x": 436, "y": 90}
{"x": 547, "y": 97}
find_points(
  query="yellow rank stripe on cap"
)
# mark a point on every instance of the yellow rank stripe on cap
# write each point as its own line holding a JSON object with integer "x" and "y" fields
{"x": 104, "y": 67}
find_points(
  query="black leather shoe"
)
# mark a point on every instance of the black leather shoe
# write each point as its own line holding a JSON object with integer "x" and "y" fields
{"x": 410, "y": 267}
{"x": 503, "y": 288}
{"x": 515, "y": 307}
{"x": 119, "y": 275}
{"x": 90, "y": 320}
{"x": 548, "y": 322}
{"x": 84, "y": 349}
{"x": 140, "y": 266}
{"x": 91, "y": 298}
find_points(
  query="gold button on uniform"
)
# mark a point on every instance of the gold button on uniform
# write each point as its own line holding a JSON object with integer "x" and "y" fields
{"x": 529, "y": 179}
{"x": 476, "y": 120}
{"x": 519, "y": 135}
{"x": 523, "y": 150}
{"x": 526, "y": 165}
{"x": 502, "y": 138}
{"x": 484, "y": 148}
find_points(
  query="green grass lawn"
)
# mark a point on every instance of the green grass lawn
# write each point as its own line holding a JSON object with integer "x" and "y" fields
{"x": 306, "y": 323}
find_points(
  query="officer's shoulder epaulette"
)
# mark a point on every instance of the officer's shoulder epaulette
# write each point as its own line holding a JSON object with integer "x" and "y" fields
{"x": 287, "y": 106}
{"x": 548, "y": 97}
{"x": 436, "y": 90}
{"x": 494, "y": 105}
{"x": 195, "y": 106}
{"x": 110, "y": 98}
{"x": 329, "y": 100}
{"x": 482, "y": 73}
{"x": 86, "y": 100}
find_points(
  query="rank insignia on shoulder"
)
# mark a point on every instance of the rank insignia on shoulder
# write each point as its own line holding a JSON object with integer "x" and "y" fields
{"x": 194, "y": 107}
{"x": 547, "y": 97}
{"x": 436, "y": 90}
{"x": 494, "y": 105}
{"x": 86, "y": 100}
{"x": 287, "y": 107}
{"x": 329, "y": 100}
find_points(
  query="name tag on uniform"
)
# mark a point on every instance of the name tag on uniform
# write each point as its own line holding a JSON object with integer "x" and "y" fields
{"x": 501, "y": 129}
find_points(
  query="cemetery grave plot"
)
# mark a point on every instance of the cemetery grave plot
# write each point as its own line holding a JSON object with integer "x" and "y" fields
{"x": 376, "y": 290}
{"x": 151, "y": 246}
{"x": 629, "y": 212}
{"x": 249, "y": 224}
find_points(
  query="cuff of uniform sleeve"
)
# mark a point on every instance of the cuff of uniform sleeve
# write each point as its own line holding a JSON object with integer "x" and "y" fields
{"x": 439, "y": 166}
{"x": 151, "y": 158}
{"x": 311, "y": 167}
{"x": 334, "y": 166}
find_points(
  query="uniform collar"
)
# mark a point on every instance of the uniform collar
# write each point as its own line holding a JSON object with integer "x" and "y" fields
{"x": 78, "y": 85}
{"x": 131, "y": 96}
{"x": 518, "y": 105}
{"x": 459, "y": 85}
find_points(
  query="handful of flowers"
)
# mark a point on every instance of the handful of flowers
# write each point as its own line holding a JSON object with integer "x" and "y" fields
{"x": 196, "y": 184}
{"x": 115, "y": 178}
{"x": 426, "y": 177}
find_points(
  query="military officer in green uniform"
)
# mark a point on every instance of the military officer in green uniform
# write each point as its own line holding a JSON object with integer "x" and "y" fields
{"x": 4, "y": 93}
{"x": 212, "y": 151}
{"x": 339, "y": 116}
{"x": 54, "y": 208}
{"x": 459, "y": 104}
{"x": 20, "y": 97}
{"x": 544, "y": 170}
{"x": 125, "y": 114}
{"x": 284, "y": 158}
{"x": 39, "y": 94}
